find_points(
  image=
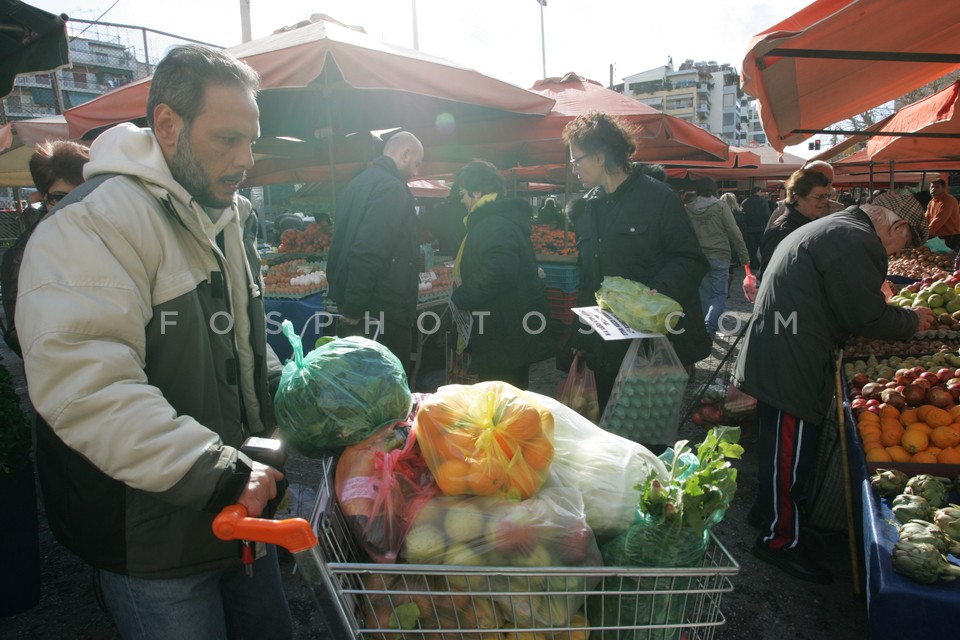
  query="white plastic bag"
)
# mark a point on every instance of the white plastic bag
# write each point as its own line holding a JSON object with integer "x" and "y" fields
{"x": 603, "y": 466}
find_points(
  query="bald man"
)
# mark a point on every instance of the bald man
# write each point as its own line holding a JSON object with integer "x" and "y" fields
{"x": 374, "y": 263}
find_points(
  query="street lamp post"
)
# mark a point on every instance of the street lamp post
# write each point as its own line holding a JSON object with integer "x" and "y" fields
{"x": 543, "y": 38}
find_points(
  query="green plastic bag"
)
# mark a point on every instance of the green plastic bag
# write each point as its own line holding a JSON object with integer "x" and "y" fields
{"x": 339, "y": 393}
{"x": 635, "y": 305}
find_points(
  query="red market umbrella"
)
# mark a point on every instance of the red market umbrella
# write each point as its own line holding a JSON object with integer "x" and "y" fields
{"x": 838, "y": 58}
{"x": 510, "y": 142}
{"x": 17, "y": 141}
{"x": 323, "y": 78}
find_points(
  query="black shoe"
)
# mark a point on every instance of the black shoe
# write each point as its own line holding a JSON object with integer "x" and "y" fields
{"x": 792, "y": 561}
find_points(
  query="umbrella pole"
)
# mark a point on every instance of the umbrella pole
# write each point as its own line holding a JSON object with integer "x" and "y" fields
{"x": 847, "y": 492}
{"x": 892, "y": 186}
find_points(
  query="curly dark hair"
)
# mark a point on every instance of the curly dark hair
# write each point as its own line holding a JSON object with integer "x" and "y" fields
{"x": 596, "y": 131}
{"x": 480, "y": 176}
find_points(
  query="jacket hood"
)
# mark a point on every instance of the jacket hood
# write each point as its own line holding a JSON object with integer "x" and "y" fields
{"x": 516, "y": 211}
{"x": 705, "y": 206}
{"x": 131, "y": 151}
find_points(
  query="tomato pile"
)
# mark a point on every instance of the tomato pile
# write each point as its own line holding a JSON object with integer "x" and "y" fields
{"x": 550, "y": 241}
{"x": 314, "y": 239}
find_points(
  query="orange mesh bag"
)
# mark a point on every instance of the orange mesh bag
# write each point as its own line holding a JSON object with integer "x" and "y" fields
{"x": 486, "y": 439}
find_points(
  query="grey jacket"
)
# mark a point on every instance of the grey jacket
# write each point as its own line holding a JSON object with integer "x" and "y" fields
{"x": 822, "y": 285}
{"x": 716, "y": 229}
{"x": 145, "y": 353}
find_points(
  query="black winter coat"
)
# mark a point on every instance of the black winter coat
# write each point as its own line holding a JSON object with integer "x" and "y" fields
{"x": 641, "y": 232}
{"x": 822, "y": 284}
{"x": 499, "y": 275}
{"x": 374, "y": 258}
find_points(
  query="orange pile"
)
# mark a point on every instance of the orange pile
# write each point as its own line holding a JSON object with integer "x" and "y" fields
{"x": 926, "y": 434}
{"x": 487, "y": 439}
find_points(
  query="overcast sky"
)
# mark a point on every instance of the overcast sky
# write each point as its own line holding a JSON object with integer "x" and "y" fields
{"x": 501, "y": 38}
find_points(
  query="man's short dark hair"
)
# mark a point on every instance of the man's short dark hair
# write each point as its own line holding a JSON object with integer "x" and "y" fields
{"x": 57, "y": 160}
{"x": 755, "y": 190}
{"x": 942, "y": 183}
{"x": 183, "y": 75}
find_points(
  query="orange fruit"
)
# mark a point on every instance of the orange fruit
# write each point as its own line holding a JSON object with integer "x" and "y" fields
{"x": 950, "y": 455}
{"x": 889, "y": 412}
{"x": 920, "y": 426}
{"x": 538, "y": 453}
{"x": 522, "y": 425}
{"x": 523, "y": 481}
{"x": 487, "y": 477}
{"x": 460, "y": 443}
{"x": 873, "y": 444}
{"x": 937, "y": 417}
{"x": 451, "y": 477}
{"x": 908, "y": 416}
{"x": 890, "y": 422}
{"x": 955, "y": 411}
{"x": 924, "y": 457}
{"x": 507, "y": 444}
{"x": 891, "y": 436}
{"x": 914, "y": 440}
{"x": 923, "y": 410}
{"x": 944, "y": 437}
{"x": 869, "y": 416}
{"x": 898, "y": 453}
{"x": 934, "y": 450}
{"x": 870, "y": 436}
{"x": 878, "y": 455}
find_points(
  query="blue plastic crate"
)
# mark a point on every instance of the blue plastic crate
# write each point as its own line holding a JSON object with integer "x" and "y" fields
{"x": 561, "y": 276}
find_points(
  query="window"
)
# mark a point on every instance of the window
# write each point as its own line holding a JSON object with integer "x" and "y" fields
{"x": 727, "y": 119}
{"x": 728, "y": 100}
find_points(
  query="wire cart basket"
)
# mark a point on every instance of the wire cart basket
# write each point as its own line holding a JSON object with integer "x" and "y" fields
{"x": 349, "y": 591}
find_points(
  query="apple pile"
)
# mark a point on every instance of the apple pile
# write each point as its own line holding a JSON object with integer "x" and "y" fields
{"x": 863, "y": 347}
{"x": 940, "y": 296}
{"x": 933, "y": 380}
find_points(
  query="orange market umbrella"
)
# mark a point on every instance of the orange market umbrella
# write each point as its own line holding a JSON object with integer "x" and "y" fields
{"x": 838, "y": 58}
{"x": 510, "y": 142}
{"x": 930, "y": 129}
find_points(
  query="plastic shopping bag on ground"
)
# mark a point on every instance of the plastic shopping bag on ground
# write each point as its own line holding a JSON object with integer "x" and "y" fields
{"x": 579, "y": 390}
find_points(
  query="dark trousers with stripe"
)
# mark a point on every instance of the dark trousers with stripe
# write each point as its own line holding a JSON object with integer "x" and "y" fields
{"x": 787, "y": 450}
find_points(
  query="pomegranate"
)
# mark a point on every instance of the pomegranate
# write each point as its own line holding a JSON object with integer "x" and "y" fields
{"x": 859, "y": 379}
{"x": 893, "y": 399}
{"x": 940, "y": 397}
{"x": 914, "y": 394}
{"x": 954, "y": 389}
{"x": 871, "y": 390}
{"x": 905, "y": 376}
{"x": 944, "y": 374}
{"x": 930, "y": 377}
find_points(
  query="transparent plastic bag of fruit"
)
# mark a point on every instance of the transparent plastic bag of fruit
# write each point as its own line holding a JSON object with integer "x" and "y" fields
{"x": 548, "y": 530}
{"x": 644, "y": 404}
{"x": 579, "y": 390}
{"x": 486, "y": 439}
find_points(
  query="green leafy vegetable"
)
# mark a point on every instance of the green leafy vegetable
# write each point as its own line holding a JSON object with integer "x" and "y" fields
{"x": 634, "y": 304}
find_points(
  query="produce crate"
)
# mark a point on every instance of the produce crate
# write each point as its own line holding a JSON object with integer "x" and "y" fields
{"x": 676, "y": 602}
{"x": 561, "y": 305}
{"x": 565, "y": 278}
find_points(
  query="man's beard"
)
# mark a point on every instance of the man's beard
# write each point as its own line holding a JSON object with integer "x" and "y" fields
{"x": 187, "y": 170}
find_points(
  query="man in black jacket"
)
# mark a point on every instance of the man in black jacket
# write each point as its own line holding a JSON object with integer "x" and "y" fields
{"x": 822, "y": 284}
{"x": 374, "y": 262}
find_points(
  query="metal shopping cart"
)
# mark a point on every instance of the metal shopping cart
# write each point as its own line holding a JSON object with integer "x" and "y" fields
{"x": 349, "y": 591}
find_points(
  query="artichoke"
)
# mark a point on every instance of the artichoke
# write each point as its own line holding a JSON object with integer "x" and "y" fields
{"x": 948, "y": 520}
{"x": 932, "y": 488}
{"x": 922, "y": 562}
{"x": 920, "y": 531}
{"x": 907, "y": 507}
{"x": 889, "y": 482}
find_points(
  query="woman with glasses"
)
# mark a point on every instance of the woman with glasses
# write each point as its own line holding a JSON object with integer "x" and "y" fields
{"x": 808, "y": 198}
{"x": 635, "y": 227}
{"x": 496, "y": 279}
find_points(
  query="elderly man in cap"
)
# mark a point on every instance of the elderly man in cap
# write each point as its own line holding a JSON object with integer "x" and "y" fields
{"x": 822, "y": 285}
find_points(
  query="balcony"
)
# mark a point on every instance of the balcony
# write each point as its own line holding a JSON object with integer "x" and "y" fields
{"x": 703, "y": 109}
{"x": 704, "y": 88}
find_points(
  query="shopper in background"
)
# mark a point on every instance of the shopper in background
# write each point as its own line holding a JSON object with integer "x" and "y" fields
{"x": 496, "y": 279}
{"x": 808, "y": 199}
{"x": 943, "y": 215}
{"x": 144, "y": 340}
{"x": 374, "y": 261}
{"x": 716, "y": 231}
{"x": 632, "y": 226}
{"x": 57, "y": 169}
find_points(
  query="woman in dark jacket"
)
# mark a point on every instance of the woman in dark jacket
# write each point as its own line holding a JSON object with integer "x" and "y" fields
{"x": 496, "y": 279}
{"x": 634, "y": 227}
{"x": 808, "y": 199}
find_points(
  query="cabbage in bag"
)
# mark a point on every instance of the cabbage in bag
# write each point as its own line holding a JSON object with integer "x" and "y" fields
{"x": 339, "y": 393}
{"x": 634, "y": 304}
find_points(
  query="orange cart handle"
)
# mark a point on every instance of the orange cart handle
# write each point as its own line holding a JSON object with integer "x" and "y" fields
{"x": 294, "y": 534}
